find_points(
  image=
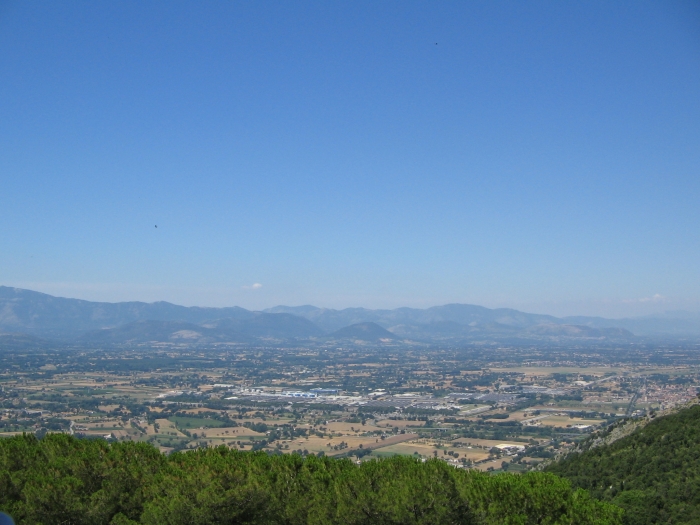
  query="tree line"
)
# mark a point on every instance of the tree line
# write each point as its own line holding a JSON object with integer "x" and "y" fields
{"x": 61, "y": 479}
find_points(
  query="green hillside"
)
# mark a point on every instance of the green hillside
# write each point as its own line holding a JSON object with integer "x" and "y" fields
{"x": 654, "y": 473}
{"x": 59, "y": 479}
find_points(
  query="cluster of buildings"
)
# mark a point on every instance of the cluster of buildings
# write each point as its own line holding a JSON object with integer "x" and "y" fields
{"x": 378, "y": 399}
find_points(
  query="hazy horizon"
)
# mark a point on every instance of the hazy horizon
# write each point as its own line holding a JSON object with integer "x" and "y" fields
{"x": 539, "y": 156}
{"x": 99, "y": 296}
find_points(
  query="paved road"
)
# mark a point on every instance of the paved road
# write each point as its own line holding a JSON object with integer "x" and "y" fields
{"x": 391, "y": 441}
{"x": 400, "y": 438}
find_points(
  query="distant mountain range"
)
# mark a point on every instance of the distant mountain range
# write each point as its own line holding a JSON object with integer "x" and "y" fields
{"x": 368, "y": 332}
{"x": 462, "y": 319}
{"x": 33, "y": 318}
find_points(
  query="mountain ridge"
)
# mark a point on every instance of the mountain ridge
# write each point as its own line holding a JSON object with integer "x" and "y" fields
{"x": 44, "y": 316}
{"x": 367, "y": 332}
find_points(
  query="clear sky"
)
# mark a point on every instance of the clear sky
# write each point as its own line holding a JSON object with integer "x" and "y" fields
{"x": 537, "y": 155}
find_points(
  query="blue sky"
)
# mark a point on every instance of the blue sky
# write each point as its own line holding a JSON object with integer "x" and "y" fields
{"x": 538, "y": 155}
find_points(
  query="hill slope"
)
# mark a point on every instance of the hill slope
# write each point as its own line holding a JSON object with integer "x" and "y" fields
{"x": 249, "y": 330}
{"x": 370, "y": 332}
{"x": 151, "y": 331}
{"x": 284, "y": 326}
{"x": 52, "y": 317}
{"x": 458, "y": 314}
{"x": 63, "y": 319}
{"x": 654, "y": 473}
{"x": 466, "y": 321}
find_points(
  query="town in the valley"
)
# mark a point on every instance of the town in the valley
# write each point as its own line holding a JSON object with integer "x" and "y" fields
{"x": 484, "y": 407}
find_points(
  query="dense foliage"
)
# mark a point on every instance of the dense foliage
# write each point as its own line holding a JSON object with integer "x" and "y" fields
{"x": 654, "y": 473}
{"x": 60, "y": 479}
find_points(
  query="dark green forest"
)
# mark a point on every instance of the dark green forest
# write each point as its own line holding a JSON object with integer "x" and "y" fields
{"x": 61, "y": 479}
{"x": 654, "y": 473}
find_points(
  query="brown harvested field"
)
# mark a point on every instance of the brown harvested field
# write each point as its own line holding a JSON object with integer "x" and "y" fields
{"x": 228, "y": 432}
{"x": 488, "y": 443}
{"x": 474, "y": 454}
{"x": 168, "y": 428}
{"x": 496, "y": 464}
{"x": 520, "y": 415}
{"x": 409, "y": 448}
{"x": 389, "y": 423}
{"x": 565, "y": 421}
{"x": 317, "y": 444}
{"x": 103, "y": 426}
{"x": 313, "y": 444}
{"x": 401, "y": 438}
{"x": 348, "y": 427}
{"x": 367, "y": 443}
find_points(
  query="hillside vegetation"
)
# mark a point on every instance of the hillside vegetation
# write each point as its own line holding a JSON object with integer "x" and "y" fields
{"x": 653, "y": 473}
{"x": 60, "y": 479}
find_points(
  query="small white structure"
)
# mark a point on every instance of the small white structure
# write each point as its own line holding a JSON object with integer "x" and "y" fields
{"x": 510, "y": 450}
